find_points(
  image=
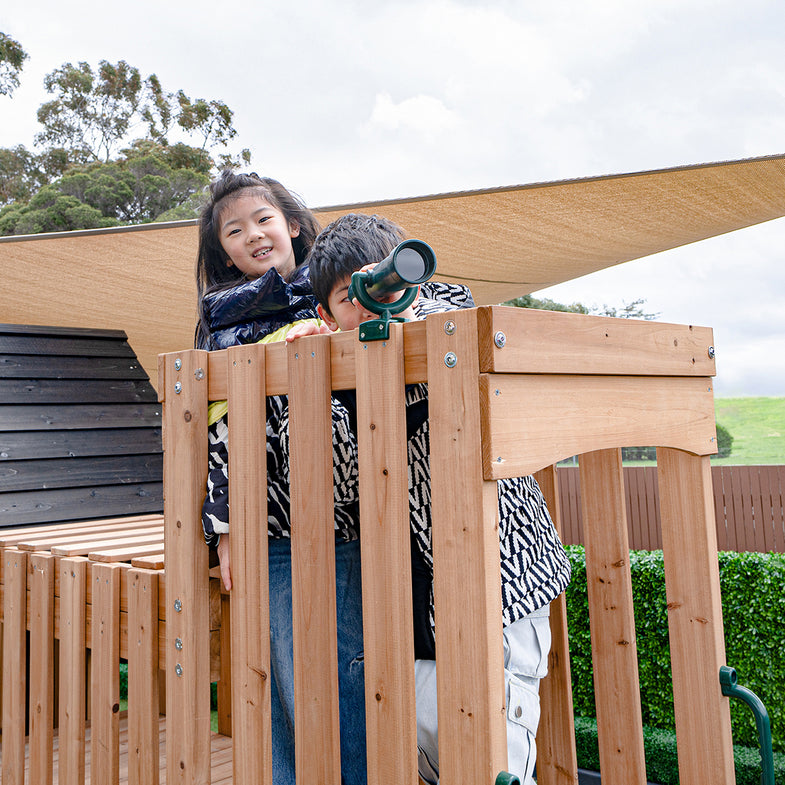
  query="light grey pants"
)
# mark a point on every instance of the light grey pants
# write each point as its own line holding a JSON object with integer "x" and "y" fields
{"x": 526, "y": 646}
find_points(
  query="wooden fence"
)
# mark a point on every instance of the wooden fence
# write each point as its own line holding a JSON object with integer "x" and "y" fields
{"x": 749, "y": 507}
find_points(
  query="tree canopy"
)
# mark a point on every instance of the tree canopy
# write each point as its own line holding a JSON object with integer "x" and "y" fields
{"x": 105, "y": 154}
{"x": 12, "y": 59}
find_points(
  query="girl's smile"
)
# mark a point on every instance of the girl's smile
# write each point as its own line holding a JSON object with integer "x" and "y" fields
{"x": 256, "y": 236}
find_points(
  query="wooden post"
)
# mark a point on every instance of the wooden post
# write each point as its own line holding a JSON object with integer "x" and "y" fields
{"x": 250, "y": 604}
{"x": 105, "y": 676}
{"x": 184, "y": 390}
{"x": 557, "y": 758}
{"x": 42, "y": 601}
{"x": 386, "y": 558}
{"x": 314, "y": 632}
{"x": 692, "y": 583}
{"x": 143, "y": 763}
{"x": 612, "y": 620}
{"x": 469, "y": 658}
{"x": 14, "y": 665}
{"x": 71, "y": 725}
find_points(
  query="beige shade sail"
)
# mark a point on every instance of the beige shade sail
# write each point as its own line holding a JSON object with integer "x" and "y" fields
{"x": 502, "y": 242}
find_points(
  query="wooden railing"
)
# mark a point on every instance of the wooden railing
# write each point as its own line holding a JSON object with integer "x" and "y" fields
{"x": 511, "y": 392}
{"x": 749, "y": 506}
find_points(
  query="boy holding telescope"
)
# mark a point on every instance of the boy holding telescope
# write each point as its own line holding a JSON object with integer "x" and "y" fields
{"x": 534, "y": 566}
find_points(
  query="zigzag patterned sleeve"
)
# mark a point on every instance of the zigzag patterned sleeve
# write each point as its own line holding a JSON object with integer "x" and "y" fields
{"x": 215, "y": 508}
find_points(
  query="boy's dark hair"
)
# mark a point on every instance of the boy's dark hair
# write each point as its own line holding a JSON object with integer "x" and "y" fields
{"x": 212, "y": 272}
{"x": 345, "y": 246}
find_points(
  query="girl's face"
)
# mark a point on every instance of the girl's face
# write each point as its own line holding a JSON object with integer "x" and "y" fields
{"x": 256, "y": 236}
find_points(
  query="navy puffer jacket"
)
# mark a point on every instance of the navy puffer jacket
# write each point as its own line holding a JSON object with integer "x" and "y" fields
{"x": 251, "y": 310}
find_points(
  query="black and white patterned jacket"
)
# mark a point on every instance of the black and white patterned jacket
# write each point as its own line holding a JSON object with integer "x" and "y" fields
{"x": 534, "y": 566}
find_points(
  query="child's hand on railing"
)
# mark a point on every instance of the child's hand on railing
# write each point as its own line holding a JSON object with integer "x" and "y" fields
{"x": 224, "y": 560}
{"x": 307, "y": 328}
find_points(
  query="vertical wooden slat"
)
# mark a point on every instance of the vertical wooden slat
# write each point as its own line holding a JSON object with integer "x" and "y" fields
{"x": 105, "y": 674}
{"x": 695, "y": 626}
{"x": 14, "y": 665}
{"x": 754, "y": 491}
{"x": 775, "y": 497}
{"x": 143, "y": 763}
{"x": 42, "y": 581}
{"x": 386, "y": 559}
{"x": 470, "y": 670}
{"x": 250, "y": 606}
{"x": 611, "y": 616}
{"x": 187, "y": 585}
{"x": 653, "y": 508}
{"x": 722, "y": 524}
{"x": 557, "y": 760}
{"x": 317, "y": 733}
{"x": 71, "y": 724}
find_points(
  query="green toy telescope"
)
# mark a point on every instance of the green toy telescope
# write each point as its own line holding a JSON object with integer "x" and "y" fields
{"x": 411, "y": 263}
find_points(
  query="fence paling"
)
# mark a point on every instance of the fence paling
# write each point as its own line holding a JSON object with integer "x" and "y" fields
{"x": 748, "y": 506}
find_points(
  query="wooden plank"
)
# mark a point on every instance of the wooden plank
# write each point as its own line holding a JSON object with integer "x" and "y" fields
{"x": 65, "y": 391}
{"x": 724, "y": 533}
{"x": 557, "y": 759}
{"x": 185, "y": 475}
{"x": 342, "y": 365}
{"x": 42, "y": 582}
{"x": 533, "y": 421}
{"x": 126, "y": 552}
{"x": 11, "y": 535}
{"x": 386, "y": 557}
{"x": 692, "y": 584}
{"x": 71, "y": 332}
{"x": 250, "y": 604}
{"x": 14, "y": 665}
{"x": 77, "y": 472}
{"x": 469, "y": 666}
{"x": 71, "y": 723}
{"x": 105, "y": 674}
{"x": 317, "y": 731}
{"x": 773, "y": 479}
{"x": 611, "y": 618}
{"x": 752, "y": 485}
{"x": 14, "y": 417}
{"x": 73, "y": 503}
{"x": 554, "y": 342}
{"x": 95, "y": 537}
{"x": 112, "y": 346}
{"x": 153, "y": 561}
{"x": 38, "y": 366}
{"x": 25, "y": 445}
{"x": 143, "y": 763}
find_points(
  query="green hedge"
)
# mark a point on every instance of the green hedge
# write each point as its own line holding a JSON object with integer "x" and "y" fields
{"x": 661, "y": 759}
{"x": 753, "y": 602}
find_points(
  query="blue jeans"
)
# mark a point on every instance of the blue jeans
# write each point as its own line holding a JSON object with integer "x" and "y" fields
{"x": 351, "y": 664}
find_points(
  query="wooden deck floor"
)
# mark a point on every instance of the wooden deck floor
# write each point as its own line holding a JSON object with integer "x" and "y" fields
{"x": 220, "y": 756}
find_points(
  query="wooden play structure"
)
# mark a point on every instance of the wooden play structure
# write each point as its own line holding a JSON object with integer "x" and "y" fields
{"x": 511, "y": 393}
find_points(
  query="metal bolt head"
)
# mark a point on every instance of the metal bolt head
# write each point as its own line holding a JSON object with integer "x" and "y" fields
{"x": 450, "y": 360}
{"x": 178, "y": 669}
{"x": 199, "y": 374}
{"x": 178, "y": 644}
{"x": 449, "y": 327}
{"x": 711, "y": 352}
{"x": 178, "y": 363}
{"x": 178, "y": 605}
{"x": 178, "y": 388}
{"x": 500, "y": 339}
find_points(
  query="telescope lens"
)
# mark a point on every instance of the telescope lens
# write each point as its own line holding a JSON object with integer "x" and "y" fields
{"x": 411, "y": 264}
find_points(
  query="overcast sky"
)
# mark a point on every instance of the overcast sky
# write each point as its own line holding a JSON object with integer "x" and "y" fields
{"x": 353, "y": 101}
